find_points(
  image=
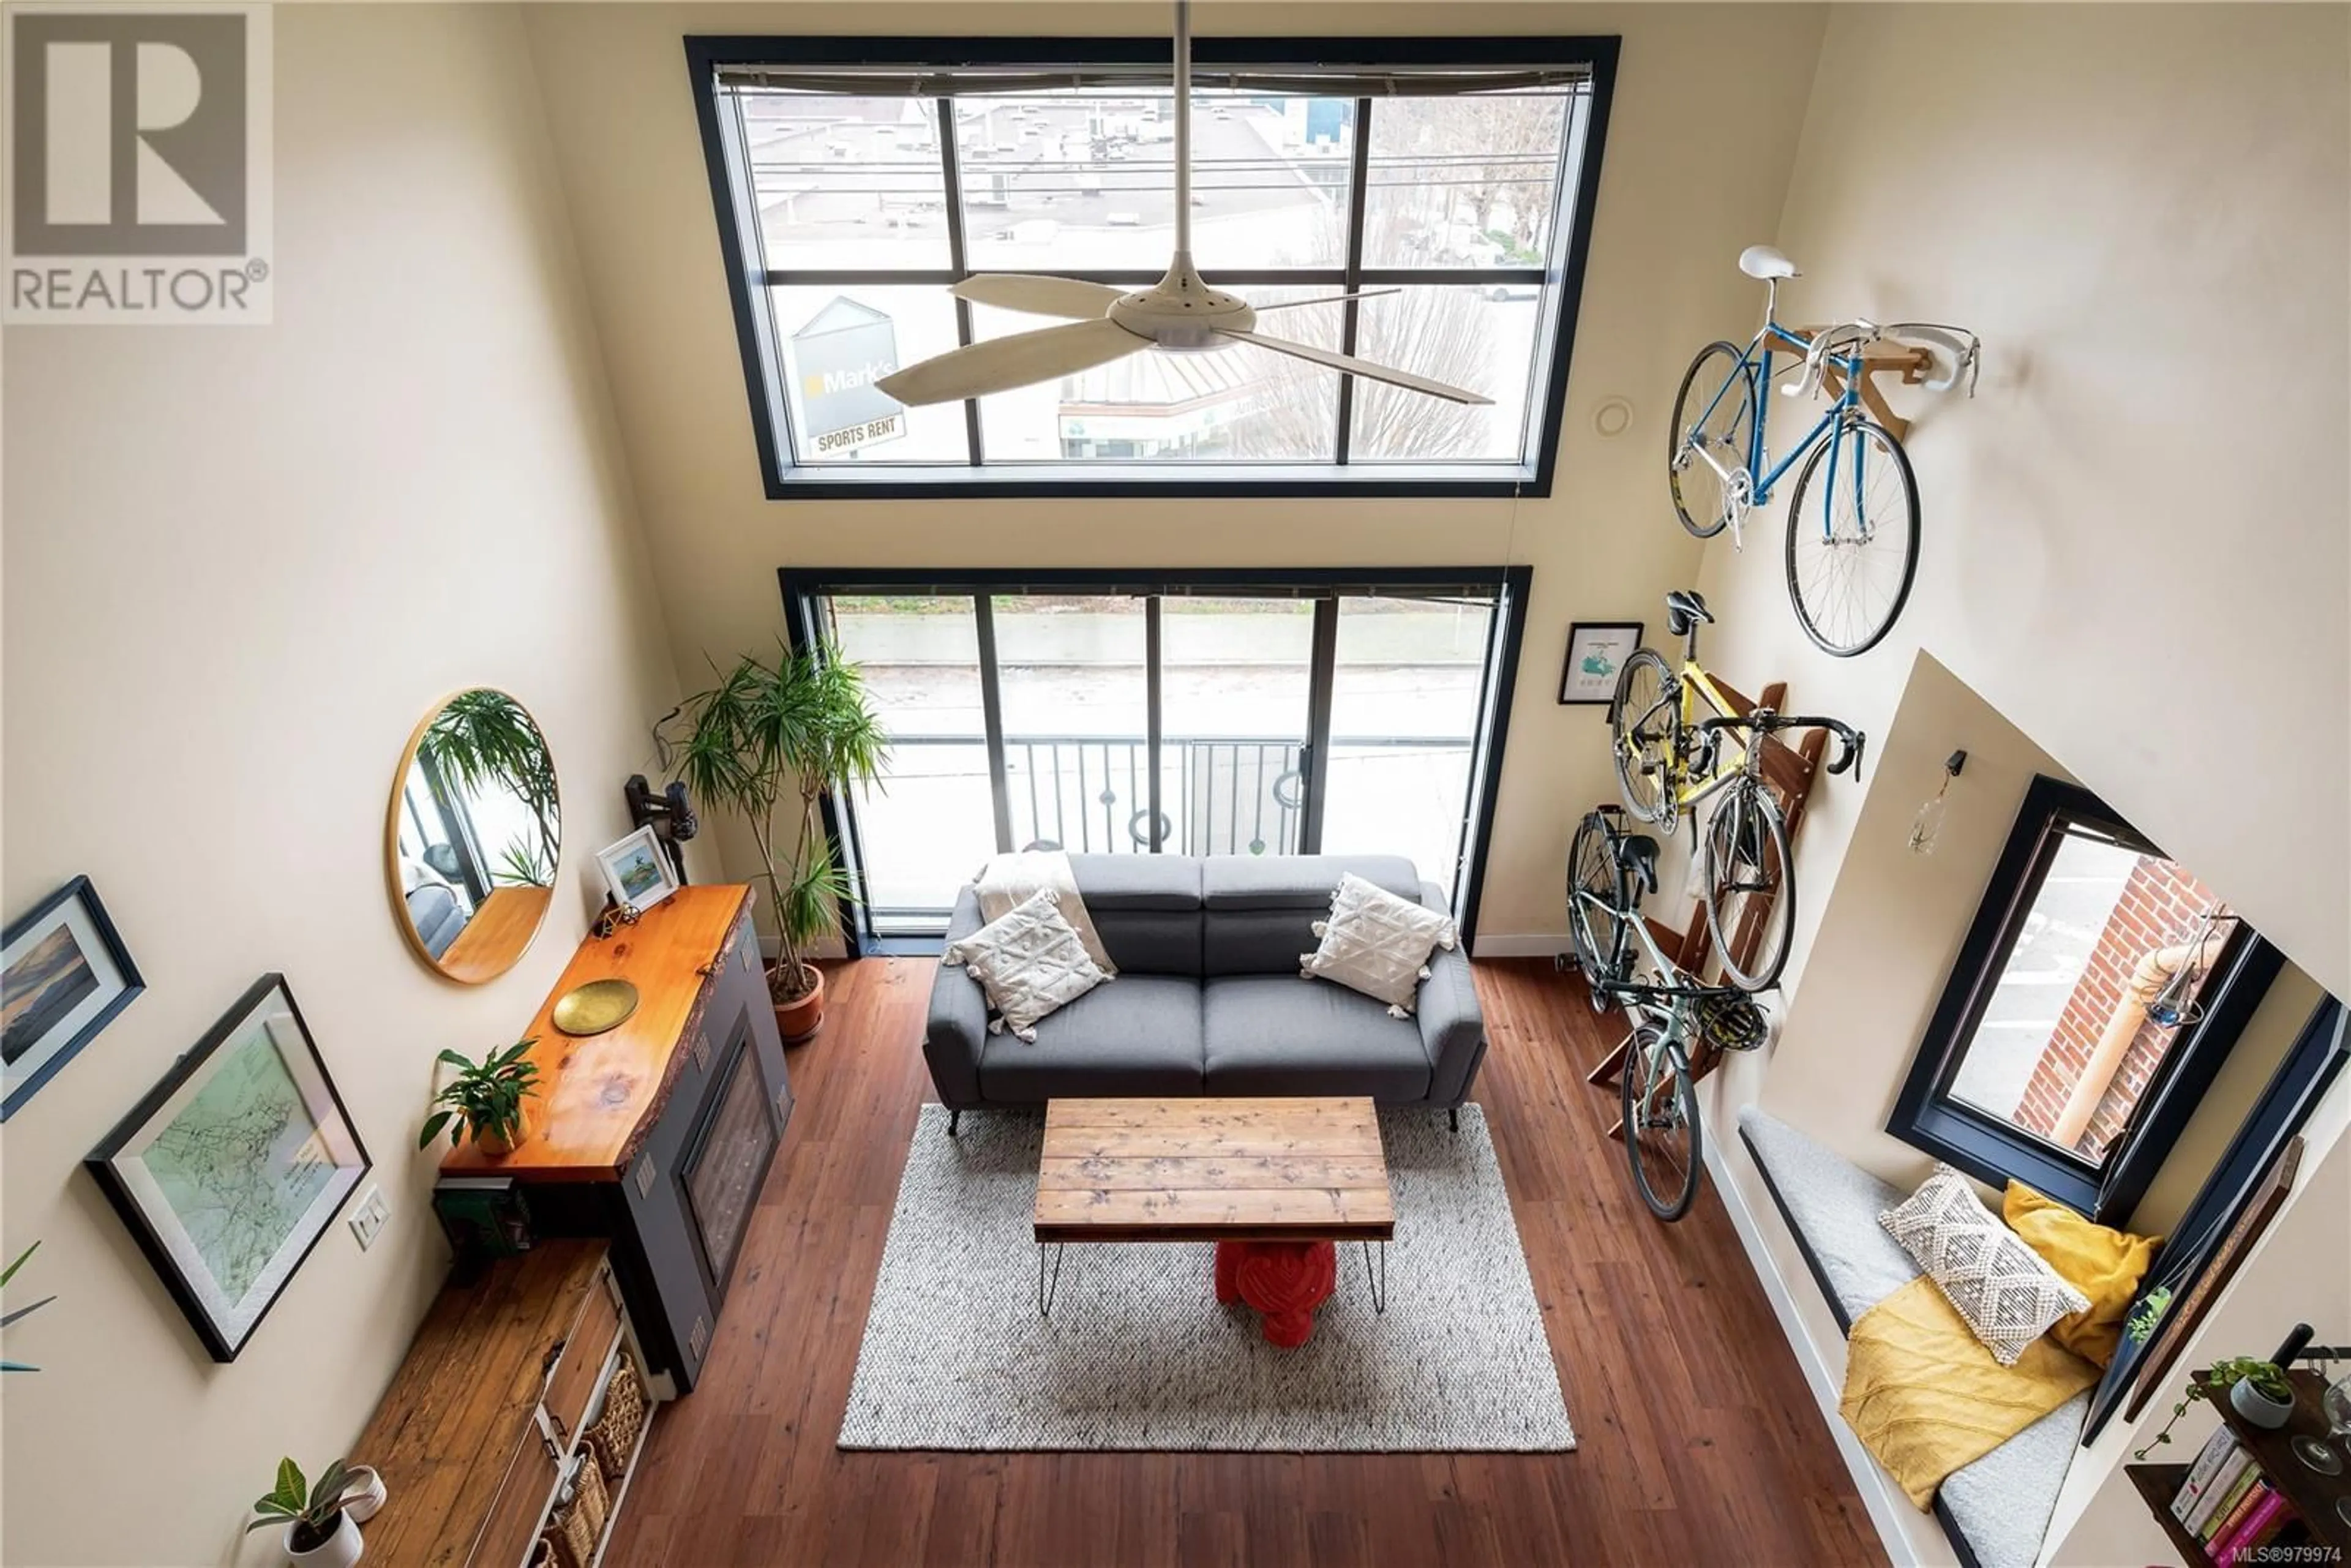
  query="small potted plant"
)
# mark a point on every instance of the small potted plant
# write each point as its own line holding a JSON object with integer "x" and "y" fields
{"x": 319, "y": 1531}
{"x": 490, "y": 1099}
{"x": 776, "y": 737}
{"x": 2258, "y": 1390}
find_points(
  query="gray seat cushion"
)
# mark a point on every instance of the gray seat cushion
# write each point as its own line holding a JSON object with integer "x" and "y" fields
{"x": 1833, "y": 1206}
{"x": 1137, "y": 1035}
{"x": 1281, "y": 1034}
{"x": 1999, "y": 1506}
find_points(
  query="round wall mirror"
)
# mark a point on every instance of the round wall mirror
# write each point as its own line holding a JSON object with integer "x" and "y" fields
{"x": 475, "y": 834}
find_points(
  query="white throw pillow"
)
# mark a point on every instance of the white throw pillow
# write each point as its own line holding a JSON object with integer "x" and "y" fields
{"x": 1029, "y": 961}
{"x": 1377, "y": 944}
{"x": 2004, "y": 1289}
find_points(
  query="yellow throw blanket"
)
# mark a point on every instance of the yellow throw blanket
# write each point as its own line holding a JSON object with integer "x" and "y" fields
{"x": 1926, "y": 1398}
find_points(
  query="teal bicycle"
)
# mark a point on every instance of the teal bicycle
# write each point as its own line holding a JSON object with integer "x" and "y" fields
{"x": 1851, "y": 556}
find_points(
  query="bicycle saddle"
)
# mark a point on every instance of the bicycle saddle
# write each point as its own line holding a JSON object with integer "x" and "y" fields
{"x": 1685, "y": 608}
{"x": 1637, "y": 852}
{"x": 1761, "y": 261}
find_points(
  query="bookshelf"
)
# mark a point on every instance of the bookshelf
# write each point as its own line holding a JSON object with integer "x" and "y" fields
{"x": 2312, "y": 1495}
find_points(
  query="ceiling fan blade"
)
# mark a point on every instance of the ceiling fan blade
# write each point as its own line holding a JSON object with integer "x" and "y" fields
{"x": 1327, "y": 299}
{"x": 1039, "y": 295}
{"x": 1002, "y": 363}
{"x": 1353, "y": 366}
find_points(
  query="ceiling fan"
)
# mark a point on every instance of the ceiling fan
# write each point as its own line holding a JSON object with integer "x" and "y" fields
{"x": 1180, "y": 313}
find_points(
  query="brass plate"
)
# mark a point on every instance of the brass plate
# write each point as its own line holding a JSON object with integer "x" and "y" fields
{"x": 598, "y": 1006}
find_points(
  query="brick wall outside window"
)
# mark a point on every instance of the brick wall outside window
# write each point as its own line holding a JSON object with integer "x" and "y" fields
{"x": 2158, "y": 906}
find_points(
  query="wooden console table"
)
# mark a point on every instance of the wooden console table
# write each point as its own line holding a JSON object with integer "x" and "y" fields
{"x": 656, "y": 1135}
{"x": 481, "y": 1428}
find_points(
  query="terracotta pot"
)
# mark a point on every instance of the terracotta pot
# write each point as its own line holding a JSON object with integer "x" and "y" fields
{"x": 498, "y": 1147}
{"x": 800, "y": 1019}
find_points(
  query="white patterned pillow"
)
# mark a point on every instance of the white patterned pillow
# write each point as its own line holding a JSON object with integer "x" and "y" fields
{"x": 1377, "y": 944}
{"x": 2008, "y": 1295}
{"x": 1029, "y": 961}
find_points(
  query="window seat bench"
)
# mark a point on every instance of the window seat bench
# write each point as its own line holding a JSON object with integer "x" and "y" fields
{"x": 1995, "y": 1510}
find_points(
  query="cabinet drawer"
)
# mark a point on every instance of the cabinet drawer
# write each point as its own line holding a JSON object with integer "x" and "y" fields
{"x": 512, "y": 1527}
{"x": 585, "y": 1350}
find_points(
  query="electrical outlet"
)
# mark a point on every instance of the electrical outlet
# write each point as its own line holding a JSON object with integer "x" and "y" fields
{"x": 368, "y": 1218}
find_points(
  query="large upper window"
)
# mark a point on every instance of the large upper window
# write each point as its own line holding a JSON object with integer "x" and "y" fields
{"x": 856, "y": 179}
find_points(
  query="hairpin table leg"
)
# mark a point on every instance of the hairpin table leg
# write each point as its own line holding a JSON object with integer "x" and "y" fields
{"x": 1379, "y": 1282}
{"x": 1046, "y": 1291}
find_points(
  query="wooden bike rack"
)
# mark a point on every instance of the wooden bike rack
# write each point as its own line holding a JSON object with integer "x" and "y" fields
{"x": 1877, "y": 358}
{"x": 1788, "y": 772}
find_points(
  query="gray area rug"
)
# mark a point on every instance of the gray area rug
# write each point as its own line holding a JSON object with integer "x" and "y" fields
{"x": 1138, "y": 1353}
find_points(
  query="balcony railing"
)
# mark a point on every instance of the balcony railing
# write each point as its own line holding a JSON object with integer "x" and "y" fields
{"x": 1220, "y": 794}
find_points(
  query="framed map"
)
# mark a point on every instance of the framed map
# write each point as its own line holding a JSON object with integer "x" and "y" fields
{"x": 232, "y": 1166}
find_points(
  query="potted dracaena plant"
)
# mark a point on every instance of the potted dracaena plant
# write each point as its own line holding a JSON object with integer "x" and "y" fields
{"x": 768, "y": 742}
{"x": 489, "y": 1098}
{"x": 319, "y": 1531}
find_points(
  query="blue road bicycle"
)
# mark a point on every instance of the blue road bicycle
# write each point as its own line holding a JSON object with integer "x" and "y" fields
{"x": 1853, "y": 526}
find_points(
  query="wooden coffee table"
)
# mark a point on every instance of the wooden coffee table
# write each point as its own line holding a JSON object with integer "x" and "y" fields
{"x": 1274, "y": 1182}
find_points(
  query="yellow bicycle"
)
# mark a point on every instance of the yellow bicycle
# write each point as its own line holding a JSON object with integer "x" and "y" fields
{"x": 1671, "y": 754}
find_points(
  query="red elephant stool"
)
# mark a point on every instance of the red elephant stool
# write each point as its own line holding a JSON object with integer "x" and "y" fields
{"x": 1285, "y": 1280}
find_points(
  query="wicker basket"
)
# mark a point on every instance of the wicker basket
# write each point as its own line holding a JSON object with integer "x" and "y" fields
{"x": 614, "y": 1435}
{"x": 578, "y": 1525}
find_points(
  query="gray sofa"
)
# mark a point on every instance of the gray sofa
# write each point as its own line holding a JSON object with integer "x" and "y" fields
{"x": 1208, "y": 1000}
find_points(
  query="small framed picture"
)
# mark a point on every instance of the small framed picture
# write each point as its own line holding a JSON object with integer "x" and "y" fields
{"x": 637, "y": 871}
{"x": 1596, "y": 650}
{"x": 233, "y": 1168}
{"x": 63, "y": 973}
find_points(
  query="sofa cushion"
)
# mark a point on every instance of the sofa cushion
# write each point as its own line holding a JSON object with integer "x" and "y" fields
{"x": 1297, "y": 881}
{"x": 1137, "y": 881}
{"x": 1139, "y": 1035}
{"x": 1278, "y": 1034}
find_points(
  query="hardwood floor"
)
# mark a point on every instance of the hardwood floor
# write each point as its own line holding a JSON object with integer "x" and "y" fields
{"x": 1699, "y": 1441}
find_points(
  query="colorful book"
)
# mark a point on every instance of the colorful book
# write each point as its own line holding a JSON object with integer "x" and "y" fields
{"x": 2221, "y": 1494}
{"x": 2264, "y": 1517}
{"x": 2232, "y": 1522}
{"x": 2208, "y": 1460}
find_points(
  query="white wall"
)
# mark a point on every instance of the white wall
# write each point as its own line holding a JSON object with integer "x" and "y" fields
{"x": 1706, "y": 108}
{"x": 239, "y": 565}
{"x": 2141, "y": 208}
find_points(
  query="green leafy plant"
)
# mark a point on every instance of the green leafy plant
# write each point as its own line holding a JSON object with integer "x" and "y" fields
{"x": 2139, "y": 1327}
{"x": 14, "y": 1314}
{"x": 485, "y": 1098}
{"x": 523, "y": 865}
{"x": 484, "y": 739}
{"x": 314, "y": 1513}
{"x": 768, "y": 742}
{"x": 2214, "y": 1383}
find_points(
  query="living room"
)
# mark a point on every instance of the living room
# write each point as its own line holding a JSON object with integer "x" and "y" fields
{"x": 543, "y": 287}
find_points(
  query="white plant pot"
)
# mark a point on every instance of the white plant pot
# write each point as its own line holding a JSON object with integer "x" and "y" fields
{"x": 339, "y": 1550}
{"x": 365, "y": 1496}
{"x": 2257, "y": 1407}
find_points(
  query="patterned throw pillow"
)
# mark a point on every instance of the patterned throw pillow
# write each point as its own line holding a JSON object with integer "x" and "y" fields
{"x": 1029, "y": 961}
{"x": 1999, "y": 1285}
{"x": 1377, "y": 944}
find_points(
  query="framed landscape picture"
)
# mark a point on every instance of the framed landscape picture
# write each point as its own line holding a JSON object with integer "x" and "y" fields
{"x": 1596, "y": 650}
{"x": 636, "y": 870}
{"x": 234, "y": 1166}
{"x": 64, "y": 975}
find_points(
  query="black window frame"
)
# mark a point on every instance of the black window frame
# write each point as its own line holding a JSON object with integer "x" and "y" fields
{"x": 1927, "y": 1116}
{"x": 1511, "y": 586}
{"x": 1563, "y": 273}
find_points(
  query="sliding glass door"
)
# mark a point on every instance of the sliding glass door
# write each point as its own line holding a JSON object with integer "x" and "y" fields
{"x": 1208, "y": 713}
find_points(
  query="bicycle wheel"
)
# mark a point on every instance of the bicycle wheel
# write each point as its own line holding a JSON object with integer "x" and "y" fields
{"x": 1661, "y": 1128}
{"x": 1713, "y": 414}
{"x": 1644, "y": 731}
{"x": 1748, "y": 886}
{"x": 1593, "y": 874}
{"x": 1851, "y": 560}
